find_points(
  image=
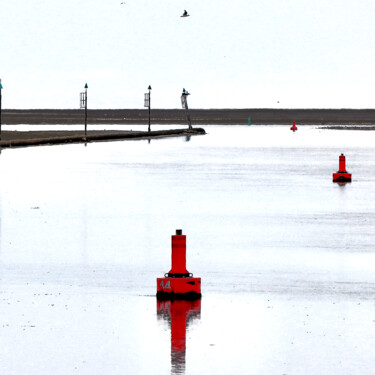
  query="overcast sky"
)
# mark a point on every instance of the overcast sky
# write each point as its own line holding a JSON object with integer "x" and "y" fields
{"x": 228, "y": 54}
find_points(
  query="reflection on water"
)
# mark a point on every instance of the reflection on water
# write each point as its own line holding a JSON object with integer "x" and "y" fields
{"x": 178, "y": 314}
{"x": 284, "y": 252}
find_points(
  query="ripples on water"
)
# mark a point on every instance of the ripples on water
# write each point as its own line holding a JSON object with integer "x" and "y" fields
{"x": 286, "y": 256}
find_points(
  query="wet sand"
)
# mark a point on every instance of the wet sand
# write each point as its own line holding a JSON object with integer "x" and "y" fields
{"x": 258, "y": 116}
{"x": 349, "y": 127}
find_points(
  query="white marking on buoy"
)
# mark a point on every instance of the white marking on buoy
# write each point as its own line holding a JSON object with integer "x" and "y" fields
{"x": 167, "y": 284}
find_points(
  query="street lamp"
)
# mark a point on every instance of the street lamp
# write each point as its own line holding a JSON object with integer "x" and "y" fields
{"x": 185, "y": 106}
{"x": 83, "y": 105}
{"x": 1, "y": 87}
{"x": 148, "y": 104}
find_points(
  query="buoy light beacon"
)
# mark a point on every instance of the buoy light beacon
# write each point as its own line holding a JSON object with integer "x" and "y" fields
{"x": 342, "y": 175}
{"x": 178, "y": 283}
{"x": 294, "y": 127}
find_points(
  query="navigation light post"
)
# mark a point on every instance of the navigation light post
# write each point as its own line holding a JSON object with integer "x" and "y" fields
{"x": 185, "y": 106}
{"x": 148, "y": 104}
{"x": 83, "y": 105}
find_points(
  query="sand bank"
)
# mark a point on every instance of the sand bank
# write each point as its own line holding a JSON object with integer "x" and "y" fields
{"x": 198, "y": 116}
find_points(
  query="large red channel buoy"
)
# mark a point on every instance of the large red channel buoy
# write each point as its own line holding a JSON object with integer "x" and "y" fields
{"x": 342, "y": 175}
{"x": 178, "y": 283}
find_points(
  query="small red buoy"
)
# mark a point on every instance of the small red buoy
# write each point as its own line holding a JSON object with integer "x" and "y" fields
{"x": 178, "y": 283}
{"x": 342, "y": 175}
{"x": 294, "y": 127}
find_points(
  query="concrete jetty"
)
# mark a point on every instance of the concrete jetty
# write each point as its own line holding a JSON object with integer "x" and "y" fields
{"x": 11, "y": 139}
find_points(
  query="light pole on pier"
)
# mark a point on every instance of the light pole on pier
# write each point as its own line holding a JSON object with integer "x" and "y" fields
{"x": 83, "y": 105}
{"x": 148, "y": 104}
{"x": 185, "y": 106}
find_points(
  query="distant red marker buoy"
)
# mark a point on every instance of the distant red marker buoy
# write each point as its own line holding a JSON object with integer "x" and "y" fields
{"x": 342, "y": 175}
{"x": 178, "y": 283}
{"x": 294, "y": 127}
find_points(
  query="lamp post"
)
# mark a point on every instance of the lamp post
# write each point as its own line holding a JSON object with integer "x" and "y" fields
{"x": 83, "y": 105}
{"x": 185, "y": 106}
{"x": 1, "y": 88}
{"x": 148, "y": 104}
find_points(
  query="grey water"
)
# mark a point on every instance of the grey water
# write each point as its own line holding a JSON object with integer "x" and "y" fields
{"x": 286, "y": 257}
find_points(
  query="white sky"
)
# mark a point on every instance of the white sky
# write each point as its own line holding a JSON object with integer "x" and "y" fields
{"x": 228, "y": 54}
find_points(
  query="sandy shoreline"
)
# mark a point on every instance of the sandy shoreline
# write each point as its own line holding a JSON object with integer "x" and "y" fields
{"x": 198, "y": 116}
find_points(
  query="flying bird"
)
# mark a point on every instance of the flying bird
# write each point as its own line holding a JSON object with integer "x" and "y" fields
{"x": 185, "y": 14}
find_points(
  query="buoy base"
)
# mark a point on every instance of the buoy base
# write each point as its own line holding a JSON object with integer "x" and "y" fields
{"x": 188, "y": 288}
{"x": 191, "y": 296}
{"x": 342, "y": 177}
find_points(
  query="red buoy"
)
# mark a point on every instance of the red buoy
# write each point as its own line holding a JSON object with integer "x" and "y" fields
{"x": 342, "y": 175}
{"x": 294, "y": 127}
{"x": 178, "y": 283}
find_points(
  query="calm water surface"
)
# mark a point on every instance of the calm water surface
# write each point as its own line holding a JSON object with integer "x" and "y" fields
{"x": 286, "y": 257}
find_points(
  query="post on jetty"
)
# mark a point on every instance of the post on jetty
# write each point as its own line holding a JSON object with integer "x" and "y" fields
{"x": 185, "y": 106}
{"x": 148, "y": 104}
{"x": 1, "y": 89}
{"x": 83, "y": 105}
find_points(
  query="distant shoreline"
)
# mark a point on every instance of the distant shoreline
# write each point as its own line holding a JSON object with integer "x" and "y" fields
{"x": 257, "y": 116}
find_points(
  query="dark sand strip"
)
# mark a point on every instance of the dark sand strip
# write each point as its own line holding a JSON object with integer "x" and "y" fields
{"x": 348, "y": 127}
{"x": 258, "y": 116}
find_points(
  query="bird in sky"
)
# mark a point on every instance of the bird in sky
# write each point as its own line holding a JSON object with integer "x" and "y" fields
{"x": 185, "y": 14}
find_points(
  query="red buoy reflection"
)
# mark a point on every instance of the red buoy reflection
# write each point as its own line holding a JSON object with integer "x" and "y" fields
{"x": 178, "y": 313}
